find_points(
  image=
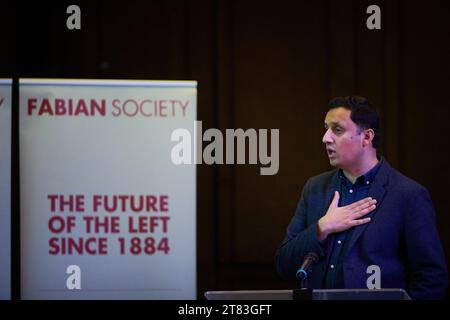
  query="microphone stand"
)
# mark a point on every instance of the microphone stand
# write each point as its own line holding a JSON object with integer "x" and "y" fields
{"x": 304, "y": 283}
{"x": 304, "y": 293}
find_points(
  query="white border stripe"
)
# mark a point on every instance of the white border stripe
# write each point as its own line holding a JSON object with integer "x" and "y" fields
{"x": 5, "y": 81}
{"x": 107, "y": 83}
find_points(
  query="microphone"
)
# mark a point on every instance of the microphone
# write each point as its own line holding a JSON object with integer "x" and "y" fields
{"x": 310, "y": 259}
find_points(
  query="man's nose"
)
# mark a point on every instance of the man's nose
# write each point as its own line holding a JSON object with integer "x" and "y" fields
{"x": 327, "y": 137}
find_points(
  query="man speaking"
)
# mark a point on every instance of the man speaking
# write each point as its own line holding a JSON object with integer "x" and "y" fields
{"x": 363, "y": 213}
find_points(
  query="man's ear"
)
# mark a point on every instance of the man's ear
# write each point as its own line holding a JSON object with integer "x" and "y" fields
{"x": 368, "y": 135}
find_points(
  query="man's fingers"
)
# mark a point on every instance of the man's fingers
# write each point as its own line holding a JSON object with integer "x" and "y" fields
{"x": 359, "y": 203}
{"x": 335, "y": 201}
{"x": 360, "y": 222}
{"x": 363, "y": 212}
{"x": 364, "y": 205}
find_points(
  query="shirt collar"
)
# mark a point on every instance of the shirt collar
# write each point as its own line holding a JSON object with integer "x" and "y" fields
{"x": 366, "y": 178}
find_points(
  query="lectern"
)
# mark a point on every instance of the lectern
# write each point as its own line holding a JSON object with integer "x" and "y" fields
{"x": 317, "y": 294}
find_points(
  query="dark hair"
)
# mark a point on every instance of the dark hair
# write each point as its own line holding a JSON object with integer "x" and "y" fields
{"x": 363, "y": 114}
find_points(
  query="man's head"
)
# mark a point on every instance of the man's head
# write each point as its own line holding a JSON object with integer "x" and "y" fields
{"x": 352, "y": 131}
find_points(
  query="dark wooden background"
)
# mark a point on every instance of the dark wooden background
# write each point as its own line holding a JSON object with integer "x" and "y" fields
{"x": 259, "y": 64}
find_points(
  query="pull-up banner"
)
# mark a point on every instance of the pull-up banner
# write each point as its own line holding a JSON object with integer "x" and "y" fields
{"x": 5, "y": 188}
{"x": 105, "y": 213}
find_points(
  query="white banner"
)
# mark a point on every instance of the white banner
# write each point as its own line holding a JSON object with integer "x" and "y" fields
{"x": 105, "y": 214}
{"x": 5, "y": 188}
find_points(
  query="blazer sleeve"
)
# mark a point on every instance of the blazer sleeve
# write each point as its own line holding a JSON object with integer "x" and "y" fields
{"x": 301, "y": 238}
{"x": 427, "y": 271}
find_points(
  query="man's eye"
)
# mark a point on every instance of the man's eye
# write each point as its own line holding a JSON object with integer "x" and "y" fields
{"x": 337, "y": 130}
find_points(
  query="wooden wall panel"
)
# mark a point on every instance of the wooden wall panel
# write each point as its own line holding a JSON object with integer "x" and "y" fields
{"x": 426, "y": 79}
{"x": 280, "y": 82}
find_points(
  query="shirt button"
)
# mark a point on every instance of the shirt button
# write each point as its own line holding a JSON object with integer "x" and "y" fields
{"x": 339, "y": 241}
{"x": 367, "y": 182}
{"x": 351, "y": 190}
{"x": 332, "y": 266}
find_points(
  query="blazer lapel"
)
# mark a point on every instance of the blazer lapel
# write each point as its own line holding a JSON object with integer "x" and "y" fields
{"x": 334, "y": 186}
{"x": 377, "y": 191}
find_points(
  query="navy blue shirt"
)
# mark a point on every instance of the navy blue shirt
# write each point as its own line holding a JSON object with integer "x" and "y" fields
{"x": 337, "y": 244}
